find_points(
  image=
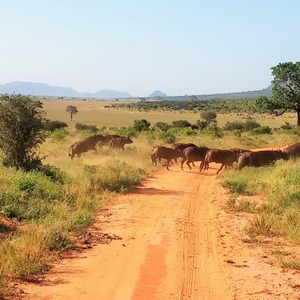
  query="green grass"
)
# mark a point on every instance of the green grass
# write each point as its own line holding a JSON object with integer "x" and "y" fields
{"x": 279, "y": 186}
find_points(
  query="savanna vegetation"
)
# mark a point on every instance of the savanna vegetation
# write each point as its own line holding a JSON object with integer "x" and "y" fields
{"x": 47, "y": 201}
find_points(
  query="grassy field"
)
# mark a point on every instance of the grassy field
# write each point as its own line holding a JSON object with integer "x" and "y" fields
{"x": 94, "y": 112}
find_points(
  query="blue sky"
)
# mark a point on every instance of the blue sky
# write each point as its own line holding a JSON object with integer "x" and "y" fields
{"x": 178, "y": 47}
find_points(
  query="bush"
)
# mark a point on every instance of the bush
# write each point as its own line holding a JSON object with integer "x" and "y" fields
{"x": 261, "y": 130}
{"x": 236, "y": 125}
{"x": 167, "y": 137}
{"x": 59, "y": 134}
{"x": 250, "y": 124}
{"x": 54, "y": 125}
{"x": 91, "y": 128}
{"x": 209, "y": 117}
{"x": 181, "y": 124}
{"x": 141, "y": 125}
{"x": 213, "y": 131}
{"x": 127, "y": 131}
{"x": 162, "y": 126}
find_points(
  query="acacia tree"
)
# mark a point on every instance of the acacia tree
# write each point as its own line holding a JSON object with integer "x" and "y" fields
{"x": 285, "y": 90}
{"x": 72, "y": 110}
{"x": 209, "y": 117}
{"x": 21, "y": 131}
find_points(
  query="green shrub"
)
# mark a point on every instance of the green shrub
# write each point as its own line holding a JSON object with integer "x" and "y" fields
{"x": 236, "y": 125}
{"x": 167, "y": 137}
{"x": 91, "y": 128}
{"x": 141, "y": 125}
{"x": 261, "y": 130}
{"x": 181, "y": 124}
{"x": 213, "y": 130}
{"x": 250, "y": 124}
{"x": 162, "y": 126}
{"x": 50, "y": 125}
{"x": 127, "y": 131}
{"x": 59, "y": 134}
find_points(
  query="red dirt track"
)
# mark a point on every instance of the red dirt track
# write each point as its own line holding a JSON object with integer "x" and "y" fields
{"x": 178, "y": 242}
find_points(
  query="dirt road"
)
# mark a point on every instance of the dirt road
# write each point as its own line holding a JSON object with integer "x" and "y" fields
{"x": 177, "y": 243}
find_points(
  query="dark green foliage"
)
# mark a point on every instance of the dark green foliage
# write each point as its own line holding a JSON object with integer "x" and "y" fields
{"x": 250, "y": 124}
{"x": 216, "y": 105}
{"x": 53, "y": 125}
{"x": 235, "y": 125}
{"x": 261, "y": 130}
{"x": 285, "y": 90}
{"x": 181, "y": 124}
{"x": 21, "y": 131}
{"x": 162, "y": 126}
{"x": 167, "y": 137}
{"x": 209, "y": 117}
{"x": 91, "y": 128}
{"x": 141, "y": 125}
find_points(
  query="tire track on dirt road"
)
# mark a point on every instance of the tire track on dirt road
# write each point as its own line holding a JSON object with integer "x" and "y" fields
{"x": 204, "y": 275}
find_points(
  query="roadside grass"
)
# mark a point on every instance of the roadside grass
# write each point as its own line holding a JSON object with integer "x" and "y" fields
{"x": 278, "y": 214}
{"x": 56, "y": 206}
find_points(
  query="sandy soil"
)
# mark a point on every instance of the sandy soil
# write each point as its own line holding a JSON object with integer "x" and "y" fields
{"x": 170, "y": 238}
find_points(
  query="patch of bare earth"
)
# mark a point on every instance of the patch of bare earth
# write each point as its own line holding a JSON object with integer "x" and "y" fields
{"x": 170, "y": 238}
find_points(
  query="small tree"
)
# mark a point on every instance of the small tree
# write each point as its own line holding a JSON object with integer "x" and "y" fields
{"x": 141, "y": 125}
{"x": 285, "y": 90}
{"x": 72, "y": 110}
{"x": 21, "y": 130}
{"x": 209, "y": 117}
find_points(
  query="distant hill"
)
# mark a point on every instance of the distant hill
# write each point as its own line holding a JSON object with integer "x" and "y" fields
{"x": 46, "y": 90}
{"x": 238, "y": 95}
{"x": 157, "y": 94}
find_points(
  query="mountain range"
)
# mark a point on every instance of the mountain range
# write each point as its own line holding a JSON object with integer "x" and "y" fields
{"x": 46, "y": 90}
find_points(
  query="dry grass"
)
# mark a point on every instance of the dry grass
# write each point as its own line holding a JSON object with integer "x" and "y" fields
{"x": 92, "y": 112}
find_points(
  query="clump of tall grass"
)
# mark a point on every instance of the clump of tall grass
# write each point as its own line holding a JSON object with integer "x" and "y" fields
{"x": 280, "y": 187}
{"x": 23, "y": 255}
{"x": 114, "y": 177}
